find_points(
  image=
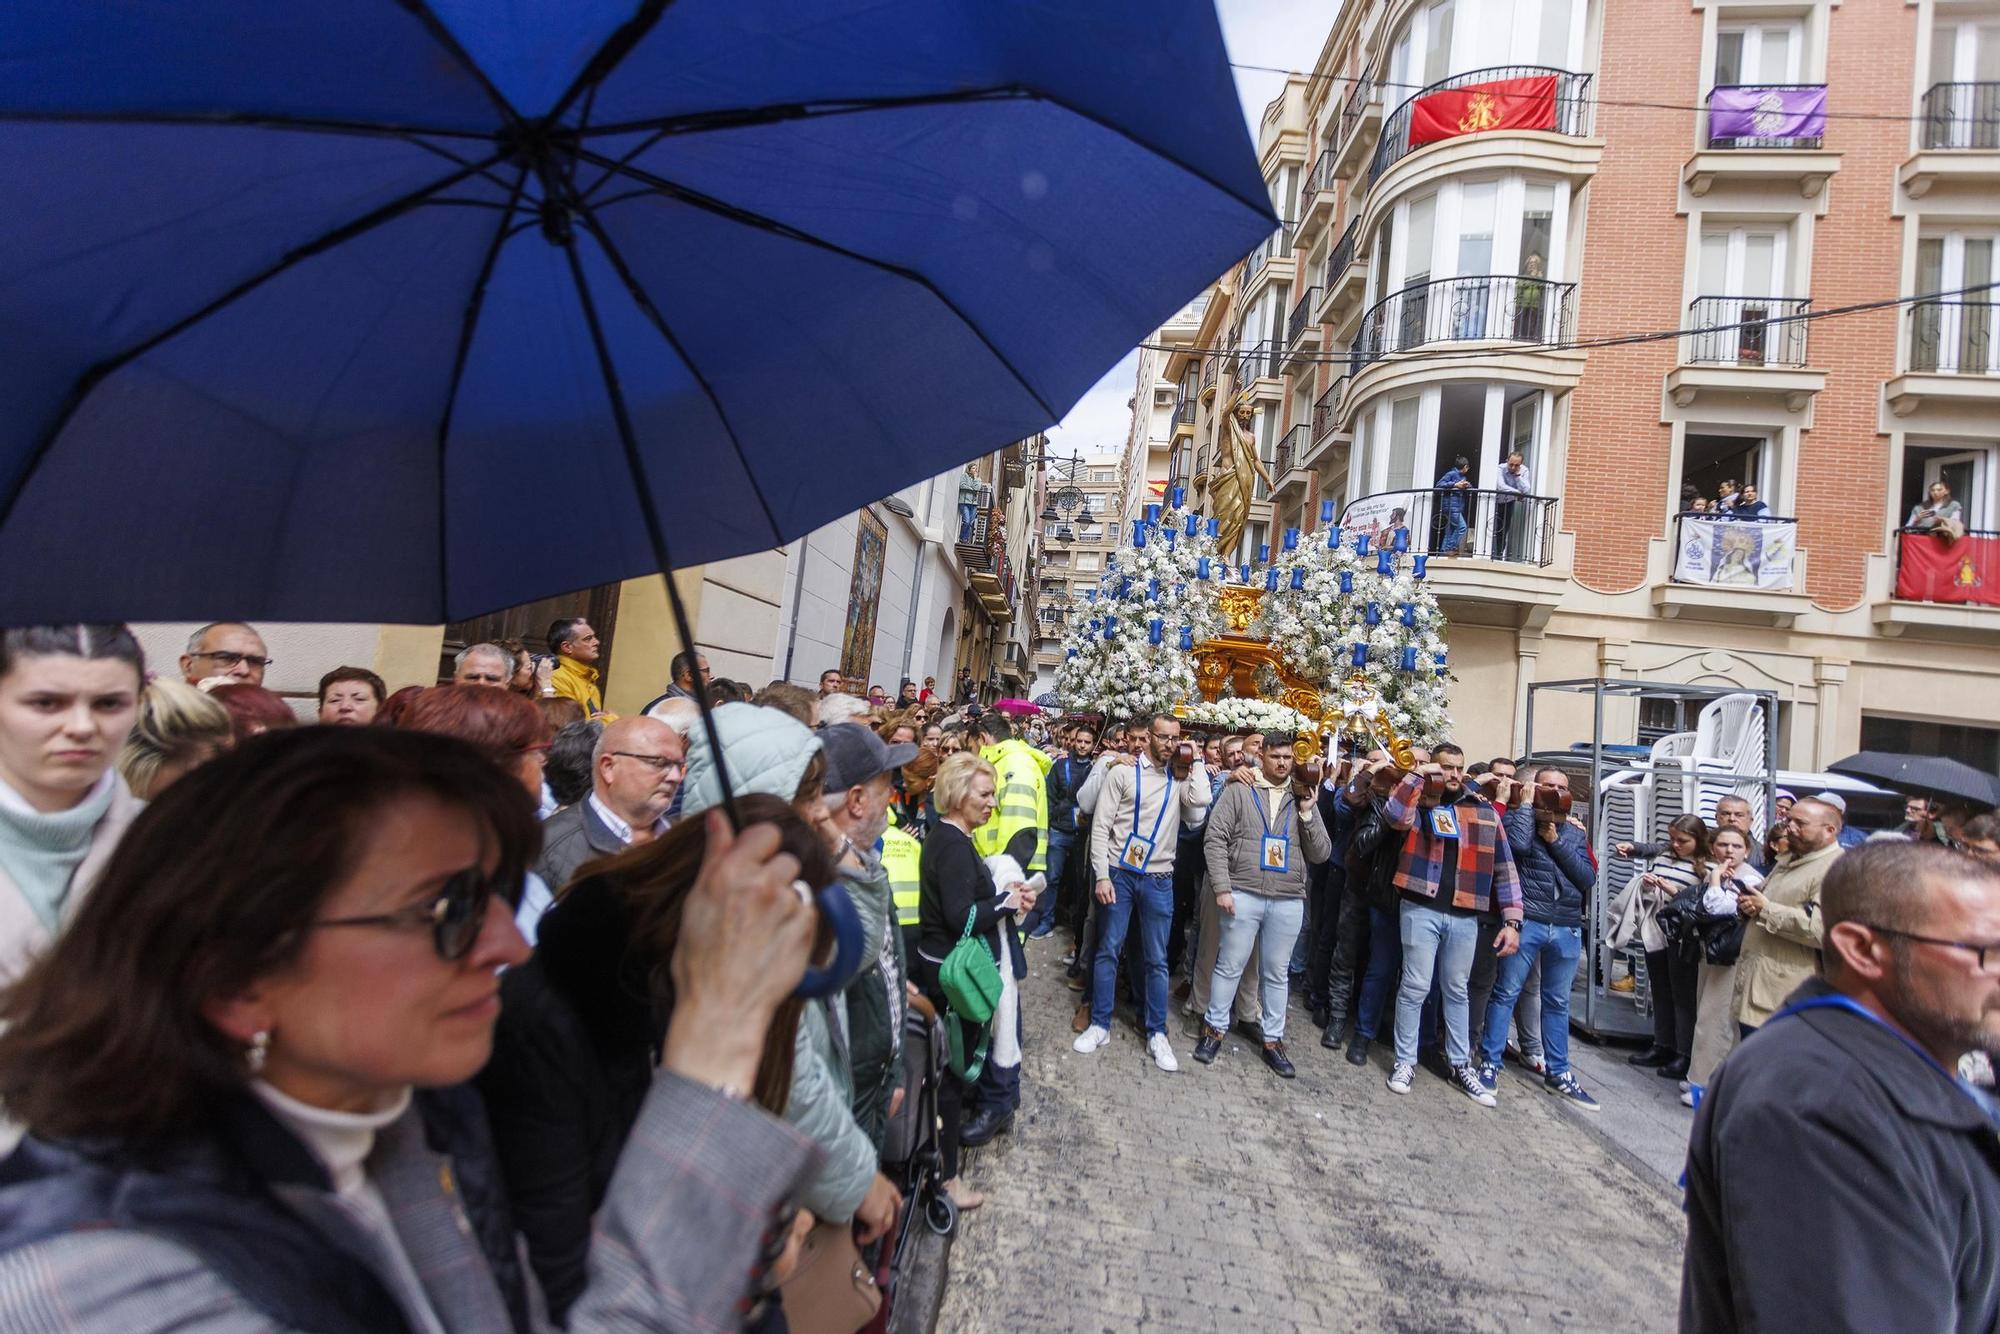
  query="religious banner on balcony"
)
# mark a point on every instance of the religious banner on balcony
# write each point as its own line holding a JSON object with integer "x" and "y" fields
{"x": 1738, "y": 552}
{"x": 1377, "y": 516}
{"x": 1767, "y": 113}
{"x": 1503, "y": 104}
{"x": 1931, "y": 569}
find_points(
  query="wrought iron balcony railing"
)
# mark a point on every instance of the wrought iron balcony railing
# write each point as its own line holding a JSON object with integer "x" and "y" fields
{"x": 1489, "y": 525}
{"x": 1488, "y": 307}
{"x": 1571, "y": 112}
{"x": 1747, "y": 331}
{"x": 1962, "y": 115}
{"x": 1325, "y": 409}
{"x": 1301, "y": 316}
{"x": 1953, "y": 338}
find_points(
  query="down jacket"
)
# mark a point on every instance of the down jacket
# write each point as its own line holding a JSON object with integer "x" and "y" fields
{"x": 1555, "y": 877}
{"x": 822, "y": 1109}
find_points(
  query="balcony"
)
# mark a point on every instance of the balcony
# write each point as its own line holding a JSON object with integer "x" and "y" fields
{"x": 1746, "y": 345}
{"x": 1210, "y": 369}
{"x": 1944, "y": 590}
{"x": 1288, "y": 468}
{"x": 1742, "y": 571}
{"x": 1491, "y": 553}
{"x": 1346, "y": 283}
{"x": 1325, "y": 420}
{"x": 1271, "y": 260}
{"x": 1316, "y": 202}
{"x": 1758, "y": 133}
{"x": 1360, "y": 129}
{"x": 1960, "y": 134}
{"x": 1302, "y": 336}
{"x": 1568, "y": 114}
{"x": 1184, "y": 409}
{"x": 1255, "y": 370}
{"x": 1954, "y": 361}
{"x": 1488, "y": 308}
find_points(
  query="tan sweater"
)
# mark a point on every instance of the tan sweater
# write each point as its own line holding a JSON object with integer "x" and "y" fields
{"x": 1112, "y": 822}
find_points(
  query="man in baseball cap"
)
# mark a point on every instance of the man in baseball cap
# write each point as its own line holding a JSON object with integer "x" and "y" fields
{"x": 860, "y": 781}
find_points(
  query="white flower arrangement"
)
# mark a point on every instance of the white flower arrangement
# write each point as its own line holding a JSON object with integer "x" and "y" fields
{"x": 1251, "y": 715}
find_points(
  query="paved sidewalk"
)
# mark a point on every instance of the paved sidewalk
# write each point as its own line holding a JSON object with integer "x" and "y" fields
{"x": 1224, "y": 1198}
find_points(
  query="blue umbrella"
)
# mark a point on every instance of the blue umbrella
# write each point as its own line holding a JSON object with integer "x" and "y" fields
{"x": 406, "y": 311}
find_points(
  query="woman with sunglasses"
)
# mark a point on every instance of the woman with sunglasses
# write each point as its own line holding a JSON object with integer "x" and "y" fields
{"x": 260, "y": 1024}
{"x": 69, "y": 695}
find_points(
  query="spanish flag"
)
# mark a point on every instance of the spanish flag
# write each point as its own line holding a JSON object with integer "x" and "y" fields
{"x": 1504, "y": 104}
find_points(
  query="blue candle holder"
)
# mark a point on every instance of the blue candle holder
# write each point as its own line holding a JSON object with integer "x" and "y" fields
{"x": 1110, "y": 626}
{"x": 1215, "y": 528}
{"x": 1291, "y": 539}
{"x": 1138, "y": 532}
{"x": 1187, "y": 639}
{"x": 1167, "y": 535}
{"x": 1153, "y": 589}
{"x": 1155, "y": 630}
{"x": 1200, "y": 566}
{"x": 1361, "y": 544}
{"x": 1419, "y": 565}
{"x": 1440, "y": 662}
{"x": 1347, "y": 581}
{"x": 1298, "y": 576}
{"x": 1178, "y": 496}
{"x": 1153, "y": 513}
{"x": 1373, "y": 615}
{"x": 1090, "y": 595}
{"x": 1402, "y": 539}
{"x": 1069, "y": 653}
{"x": 1409, "y": 660}
{"x": 1271, "y": 579}
{"x": 1124, "y": 586}
{"x": 1360, "y": 658}
{"x": 1193, "y": 525}
{"x": 1408, "y": 611}
{"x": 1244, "y": 571}
{"x": 1385, "y": 563}
{"x": 1325, "y": 512}
{"x": 1263, "y": 552}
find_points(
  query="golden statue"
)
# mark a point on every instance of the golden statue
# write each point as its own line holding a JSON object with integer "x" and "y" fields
{"x": 1233, "y": 481}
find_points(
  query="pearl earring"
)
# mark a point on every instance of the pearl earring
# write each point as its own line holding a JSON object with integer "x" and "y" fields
{"x": 260, "y": 1048}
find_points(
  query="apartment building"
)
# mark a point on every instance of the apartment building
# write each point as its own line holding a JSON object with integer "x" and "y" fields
{"x": 1079, "y": 520}
{"x": 1482, "y": 196}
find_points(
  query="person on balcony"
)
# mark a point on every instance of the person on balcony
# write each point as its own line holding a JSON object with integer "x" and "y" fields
{"x": 1725, "y": 496}
{"x": 1748, "y": 506}
{"x": 1454, "y": 484}
{"x": 1529, "y": 290}
{"x": 1515, "y": 484}
{"x": 1939, "y": 514}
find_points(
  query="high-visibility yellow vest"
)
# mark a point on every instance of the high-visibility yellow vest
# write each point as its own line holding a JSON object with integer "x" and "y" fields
{"x": 1020, "y": 802}
{"x": 901, "y": 857}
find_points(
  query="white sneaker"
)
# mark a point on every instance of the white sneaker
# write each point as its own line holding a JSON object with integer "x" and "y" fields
{"x": 1090, "y": 1040}
{"x": 1400, "y": 1078}
{"x": 1160, "y": 1050}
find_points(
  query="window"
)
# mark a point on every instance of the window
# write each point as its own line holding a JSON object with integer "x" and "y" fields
{"x": 1742, "y": 282}
{"x": 1954, "y": 334}
{"x": 1969, "y": 469}
{"x": 1709, "y": 459}
{"x": 1958, "y": 112}
{"x": 1758, "y": 53}
{"x": 1102, "y": 475}
{"x": 1403, "y": 443}
{"x": 1976, "y": 746}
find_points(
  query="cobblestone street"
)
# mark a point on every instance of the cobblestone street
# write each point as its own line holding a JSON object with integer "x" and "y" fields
{"x": 1224, "y": 1198}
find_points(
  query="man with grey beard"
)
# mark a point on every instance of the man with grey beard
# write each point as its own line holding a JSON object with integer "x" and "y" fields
{"x": 1840, "y": 1176}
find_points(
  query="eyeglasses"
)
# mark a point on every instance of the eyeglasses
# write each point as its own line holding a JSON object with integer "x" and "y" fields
{"x": 231, "y": 659}
{"x": 659, "y": 764}
{"x": 454, "y": 918}
{"x": 1987, "y": 956}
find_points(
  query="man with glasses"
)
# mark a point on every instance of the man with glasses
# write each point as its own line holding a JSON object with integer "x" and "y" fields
{"x": 225, "y": 648}
{"x": 635, "y": 772}
{"x": 1839, "y": 1176}
{"x": 1781, "y": 946}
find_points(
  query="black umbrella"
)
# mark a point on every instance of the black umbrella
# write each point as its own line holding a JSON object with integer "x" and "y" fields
{"x": 1922, "y": 776}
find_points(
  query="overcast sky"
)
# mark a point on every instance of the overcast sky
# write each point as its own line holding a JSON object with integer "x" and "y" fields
{"x": 1283, "y": 33}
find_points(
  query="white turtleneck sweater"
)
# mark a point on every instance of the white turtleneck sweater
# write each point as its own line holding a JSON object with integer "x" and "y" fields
{"x": 342, "y": 1142}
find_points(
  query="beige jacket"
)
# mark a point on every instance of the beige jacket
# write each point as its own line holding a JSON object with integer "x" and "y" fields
{"x": 1113, "y": 822}
{"x": 1781, "y": 944}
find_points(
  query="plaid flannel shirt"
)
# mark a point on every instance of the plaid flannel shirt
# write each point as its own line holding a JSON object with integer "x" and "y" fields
{"x": 1486, "y": 870}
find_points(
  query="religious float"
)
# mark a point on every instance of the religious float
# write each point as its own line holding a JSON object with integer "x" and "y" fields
{"x": 1335, "y": 634}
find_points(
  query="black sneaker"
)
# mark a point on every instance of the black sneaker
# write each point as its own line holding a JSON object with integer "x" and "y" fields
{"x": 1357, "y": 1050}
{"x": 1329, "y": 1036}
{"x": 1274, "y": 1056}
{"x": 1207, "y": 1045}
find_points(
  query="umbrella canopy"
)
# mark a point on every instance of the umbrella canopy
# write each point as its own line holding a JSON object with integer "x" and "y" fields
{"x": 1049, "y": 700}
{"x": 1922, "y": 776}
{"x": 1018, "y": 707}
{"x": 410, "y": 311}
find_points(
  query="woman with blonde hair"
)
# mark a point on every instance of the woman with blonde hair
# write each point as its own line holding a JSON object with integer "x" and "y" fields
{"x": 178, "y": 729}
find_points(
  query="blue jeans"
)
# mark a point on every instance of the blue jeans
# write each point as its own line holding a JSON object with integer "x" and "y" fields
{"x": 967, "y": 514}
{"x": 1559, "y": 948}
{"x": 1440, "y": 944}
{"x": 1279, "y": 921}
{"x": 1385, "y": 964}
{"x": 1044, "y": 914}
{"x": 1154, "y": 897}
{"x": 1454, "y": 530}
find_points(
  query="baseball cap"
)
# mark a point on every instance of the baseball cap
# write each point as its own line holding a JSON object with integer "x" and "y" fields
{"x": 854, "y": 754}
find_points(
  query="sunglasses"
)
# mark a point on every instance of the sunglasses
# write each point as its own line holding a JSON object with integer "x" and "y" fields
{"x": 454, "y": 917}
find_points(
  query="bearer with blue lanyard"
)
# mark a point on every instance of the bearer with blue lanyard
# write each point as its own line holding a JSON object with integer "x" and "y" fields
{"x": 1140, "y": 811}
{"x": 1841, "y": 1176}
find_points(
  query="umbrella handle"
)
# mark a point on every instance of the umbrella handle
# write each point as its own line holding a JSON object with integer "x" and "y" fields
{"x": 838, "y": 909}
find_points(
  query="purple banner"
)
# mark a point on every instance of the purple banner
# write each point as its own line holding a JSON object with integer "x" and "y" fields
{"x": 1749, "y": 112}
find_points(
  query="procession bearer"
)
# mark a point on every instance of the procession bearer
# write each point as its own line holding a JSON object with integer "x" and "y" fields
{"x": 1261, "y": 837}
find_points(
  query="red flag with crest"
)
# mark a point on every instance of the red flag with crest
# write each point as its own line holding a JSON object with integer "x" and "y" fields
{"x": 1503, "y": 104}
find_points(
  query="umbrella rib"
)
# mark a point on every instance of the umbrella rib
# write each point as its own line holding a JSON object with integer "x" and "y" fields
{"x": 465, "y": 332}
{"x": 655, "y": 531}
{"x": 444, "y": 37}
{"x": 659, "y": 322}
{"x": 730, "y": 118}
{"x": 1260, "y": 206}
{"x": 748, "y": 218}
{"x": 616, "y": 47}
{"x": 242, "y": 120}
{"x": 87, "y": 383}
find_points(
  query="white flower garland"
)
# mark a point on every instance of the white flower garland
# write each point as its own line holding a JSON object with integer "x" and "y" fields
{"x": 1252, "y": 715}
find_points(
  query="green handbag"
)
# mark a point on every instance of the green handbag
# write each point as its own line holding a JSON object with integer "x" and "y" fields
{"x": 971, "y": 984}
